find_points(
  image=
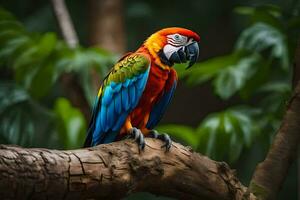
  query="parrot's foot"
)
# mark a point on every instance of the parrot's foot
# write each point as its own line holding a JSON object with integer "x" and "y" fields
{"x": 164, "y": 137}
{"x": 138, "y": 136}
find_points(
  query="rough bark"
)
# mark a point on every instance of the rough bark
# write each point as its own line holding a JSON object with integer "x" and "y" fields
{"x": 270, "y": 174}
{"x": 113, "y": 171}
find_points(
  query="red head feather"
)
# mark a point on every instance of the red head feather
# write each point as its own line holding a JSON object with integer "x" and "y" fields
{"x": 181, "y": 31}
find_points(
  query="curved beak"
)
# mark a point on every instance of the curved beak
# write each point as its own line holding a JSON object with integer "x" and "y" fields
{"x": 188, "y": 53}
{"x": 192, "y": 53}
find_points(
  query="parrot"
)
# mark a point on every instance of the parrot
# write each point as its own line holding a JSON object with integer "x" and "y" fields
{"x": 137, "y": 90}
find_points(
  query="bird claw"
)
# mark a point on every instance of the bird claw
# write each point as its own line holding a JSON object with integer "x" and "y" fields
{"x": 163, "y": 137}
{"x": 138, "y": 136}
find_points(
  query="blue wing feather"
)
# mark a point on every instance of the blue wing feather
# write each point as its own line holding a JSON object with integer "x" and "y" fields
{"x": 120, "y": 121}
{"x": 118, "y": 103}
{"x": 116, "y": 87}
{"x": 113, "y": 107}
{"x": 111, "y": 115}
{"x": 132, "y": 95}
{"x": 160, "y": 107}
{"x": 140, "y": 83}
{"x": 125, "y": 98}
{"x": 103, "y": 115}
{"x": 107, "y": 97}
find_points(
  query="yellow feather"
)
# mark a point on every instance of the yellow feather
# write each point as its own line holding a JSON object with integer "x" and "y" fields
{"x": 100, "y": 91}
{"x": 154, "y": 44}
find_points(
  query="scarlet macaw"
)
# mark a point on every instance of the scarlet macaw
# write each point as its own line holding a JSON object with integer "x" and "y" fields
{"x": 135, "y": 94}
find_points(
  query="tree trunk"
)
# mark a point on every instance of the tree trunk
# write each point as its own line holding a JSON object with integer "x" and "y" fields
{"x": 270, "y": 174}
{"x": 113, "y": 171}
{"x": 106, "y": 26}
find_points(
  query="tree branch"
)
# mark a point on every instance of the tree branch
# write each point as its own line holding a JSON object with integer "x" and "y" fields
{"x": 112, "y": 171}
{"x": 65, "y": 23}
{"x": 270, "y": 174}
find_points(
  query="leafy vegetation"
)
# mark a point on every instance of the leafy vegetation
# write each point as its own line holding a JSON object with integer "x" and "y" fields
{"x": 258, "y": 70}
{"x": 32, "y": 102}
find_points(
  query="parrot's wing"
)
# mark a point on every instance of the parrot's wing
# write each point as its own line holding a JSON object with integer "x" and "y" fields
{"x": 119, "y": 94}
{"x": 160, "y": 107}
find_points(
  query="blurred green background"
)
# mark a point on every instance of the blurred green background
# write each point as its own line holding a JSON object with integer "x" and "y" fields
{"x": 228, "y": 106}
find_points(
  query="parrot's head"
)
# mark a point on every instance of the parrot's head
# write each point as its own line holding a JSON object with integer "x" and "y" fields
{"x": 174, "y": 45}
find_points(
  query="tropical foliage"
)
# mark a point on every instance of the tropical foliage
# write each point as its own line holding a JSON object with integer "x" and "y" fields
{"x": 258, "y": 72}
{"x": 33, "y": 109}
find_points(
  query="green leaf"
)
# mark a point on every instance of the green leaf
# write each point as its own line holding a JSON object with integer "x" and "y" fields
{"x": 43, "y": 81}
{"x": 260, "y": 77}
{"x": 276, "y": 86}
{"x": 11, "y": 46}
{"x": 23, "y": 121}
{"x": 261, "y": 37}
{"x": 244, "y": 10}
{"x": 235, "y": 148}
{"x": 268, "y": 14}
{"x": 26, "y": 57}
{"x": 243, "y": 121}
{"x": 206, "y": 70}
{"x": 80, "y": 59}
{"x": 275, "y": 103}
{"x": 234, "y": 77}
{"x": 11, "y": 25}
{"x": 223, "y": 135}
{"x": 208, "y": 135}
{"x": 70, "y": 122}
{"x": 82, "y": 62}
{"x": 11, "y": 95}
{"x": 46, "y": 44}
{"x": 6, "y": 35}
{"x": 5, "y": 15}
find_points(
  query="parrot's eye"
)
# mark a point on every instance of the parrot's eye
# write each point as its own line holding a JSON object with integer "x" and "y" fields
{"x": 177, "y": 37}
